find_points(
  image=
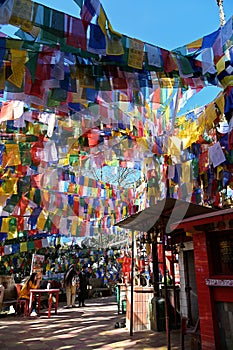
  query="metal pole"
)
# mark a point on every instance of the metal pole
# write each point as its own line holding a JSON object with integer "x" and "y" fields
{"x": 166, "y": 292}
{"x": 174, "y": 284}
{"x": 155, "y": 267}
{"x": 132, "y": 287}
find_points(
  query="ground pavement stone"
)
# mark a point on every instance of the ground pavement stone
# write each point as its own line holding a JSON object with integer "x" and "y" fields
{"x": 91, "y": 327}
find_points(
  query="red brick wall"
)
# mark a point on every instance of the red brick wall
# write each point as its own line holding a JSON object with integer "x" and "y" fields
{"x": 203, "y": 291}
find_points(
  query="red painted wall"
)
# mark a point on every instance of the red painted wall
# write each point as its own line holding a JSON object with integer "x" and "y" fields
{"x": 204, "y": 293}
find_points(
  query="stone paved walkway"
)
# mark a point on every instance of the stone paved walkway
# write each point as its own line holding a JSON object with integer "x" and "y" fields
{"x": 91, "y": 327}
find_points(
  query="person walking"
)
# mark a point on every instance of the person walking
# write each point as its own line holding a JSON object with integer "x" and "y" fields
{"x": 83, "y": 282}
{"x": 71, "y": 282}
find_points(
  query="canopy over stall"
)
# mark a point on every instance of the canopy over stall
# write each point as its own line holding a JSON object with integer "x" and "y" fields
{"x": 159, "y": 218}
{"x": 168, "y": 210}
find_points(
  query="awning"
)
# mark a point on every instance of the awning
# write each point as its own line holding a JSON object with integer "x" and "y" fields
{"x": 169, "y": 211}
{"x": 198, "y": 222}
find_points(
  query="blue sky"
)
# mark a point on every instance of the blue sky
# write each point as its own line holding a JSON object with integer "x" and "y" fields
{"x": 167, "y": 23}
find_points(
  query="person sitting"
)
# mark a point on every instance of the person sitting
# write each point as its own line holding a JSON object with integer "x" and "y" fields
{"x": 33, "y": 282}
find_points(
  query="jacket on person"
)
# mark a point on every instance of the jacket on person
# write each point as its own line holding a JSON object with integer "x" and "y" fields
{"x": 25, "y": 291}
{"x": 70, "y": 277}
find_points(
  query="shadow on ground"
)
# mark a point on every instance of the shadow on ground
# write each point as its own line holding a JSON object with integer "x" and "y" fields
{"x": 91, "y": 327}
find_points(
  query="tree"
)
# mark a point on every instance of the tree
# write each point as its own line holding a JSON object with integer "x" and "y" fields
{"x": 120, "y": 177}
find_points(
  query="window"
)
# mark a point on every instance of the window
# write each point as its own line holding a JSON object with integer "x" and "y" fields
{"x": 221, "y": 252}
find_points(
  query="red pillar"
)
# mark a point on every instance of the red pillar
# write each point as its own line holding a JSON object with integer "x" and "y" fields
{"x": 204, "y": 295}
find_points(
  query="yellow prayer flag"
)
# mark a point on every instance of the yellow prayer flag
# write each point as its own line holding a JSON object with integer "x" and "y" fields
{"x": 18, "y": 59}
{"x": 42, "y": 218}
{"x": 12, "y": 235}
{"x": 180, "y": 120}
{"x": 186, "y": 142}
{"x": 23, "y": 247}
{"x": 21, "y": 14}
{"x": 32, "y": 192}
{"x": 114, "y": 45}
{"x": 95, "y": 192}
{"x": 86, "y": 180}
{"x": 220, "y": 102}
{"x": 89, "y": 208}
{"x": 193, "y": 127}
{"x": 165, "y": 82}
{"x": 102, "y": 20}
{"x": 148, "y": 248}
{"x": 174, "y": 145}
{"x": 73, "y": 227}
{"x": 210, "y": 113}
{"x": 185, "y": 172}
{"x": 195, "y": 44}
{"x": 227, "y": 81}
{"x": 3, "y": 197}
{"x": 9, "y": 186}
{"x": 185, "y": 131}
{"x": 193, "y": 138}
{"x": 136, "y": 53}
{"x": 34, "y": 31}
{"x": 219, "y": 170}
{"x": 12, "y": 154}
{"x": 220, "y": 65}
{"x": 3, "y": 76}
{"x": 64, "y": 161}
{"x": 5, "y": 224}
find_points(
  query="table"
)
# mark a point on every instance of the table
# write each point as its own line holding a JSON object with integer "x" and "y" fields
{"x": 50, "y": 293}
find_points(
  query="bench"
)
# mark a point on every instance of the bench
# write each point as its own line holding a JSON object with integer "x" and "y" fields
{"x": 101, "y": 292}
{"x": 96, "y": 288}
{"x": 10, "y": 296}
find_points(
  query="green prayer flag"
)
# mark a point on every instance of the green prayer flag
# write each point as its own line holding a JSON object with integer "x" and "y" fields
{"x": 11, "y": 203}
{"x": 37, "y": 197}
{"x": 31, "y": 245}
{"x": 48, "y": 225}
{"x": 79, "y": 3}
{"x": 31, "y": 64}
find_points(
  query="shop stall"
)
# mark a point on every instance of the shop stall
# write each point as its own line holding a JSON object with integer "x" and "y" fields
{"x": 154, "y": 222}
{"x": 212, "y": 264}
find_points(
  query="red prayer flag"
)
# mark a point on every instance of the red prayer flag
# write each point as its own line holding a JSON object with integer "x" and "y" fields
{"x": 76, "y": 33}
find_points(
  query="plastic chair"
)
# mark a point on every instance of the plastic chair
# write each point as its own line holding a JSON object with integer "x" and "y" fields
{"x": 22, "y": 304}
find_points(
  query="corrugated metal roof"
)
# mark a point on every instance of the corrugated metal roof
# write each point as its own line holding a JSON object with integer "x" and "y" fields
{"x": 170, "y": 211}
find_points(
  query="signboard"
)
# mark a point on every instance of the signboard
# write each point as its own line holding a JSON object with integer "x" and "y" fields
{"x": 218, "y": 283}
{"x": 37, "y": 263}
